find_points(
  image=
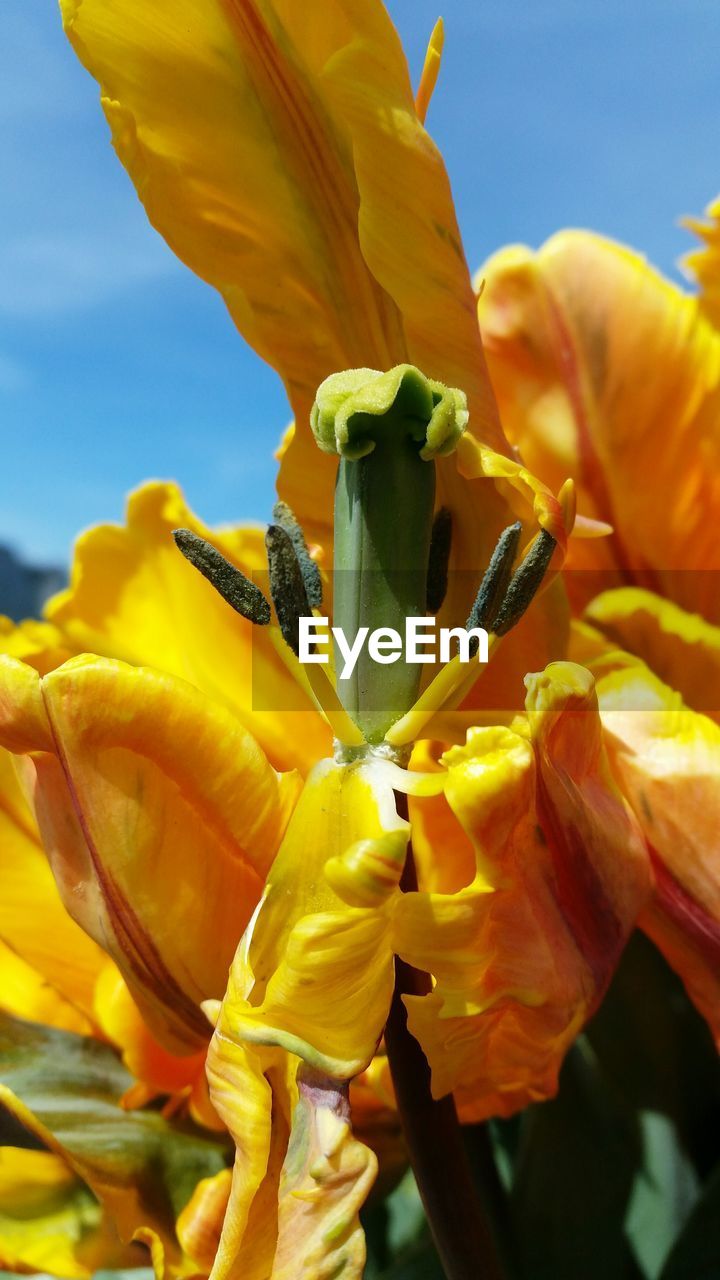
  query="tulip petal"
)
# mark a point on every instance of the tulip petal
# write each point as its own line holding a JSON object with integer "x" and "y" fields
{"x": 594, "y": 357}
{"x": 66, "y": 1089}
{"x": 312, "y": 977}
{"x": 316, "y": 963}
{"x": 522, "y": 955}
{"x": 681, "y": 648}
{"x": 26, "y": 994}
{"x": 326, "y": 1178}
{"x": 133, "y": 596}
{"x": 667, "y": 758}
{"x": 280, "y": 154}
{"x": 282, "y": 158}
{"x": 160, "y": 816}
{"x": 48, "y": 1218}
{"x": 54, "y": 960}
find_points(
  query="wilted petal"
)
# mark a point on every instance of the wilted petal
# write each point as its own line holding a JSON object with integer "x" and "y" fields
{"x": 325, "y": 1180}
{"x": 160, "y": 816}
{"x": 133, "y": 596}
{"x": 522, "y": 955}
{"x": 594, "y": 358}
{"x": 667, "y": 758}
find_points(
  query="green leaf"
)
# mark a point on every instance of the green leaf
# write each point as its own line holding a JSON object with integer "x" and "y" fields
{"x": 576, "y": 1164}
{"x": 665, "y": 1190}
{"x": 658, "y": 1052}
{"x": 696, "y": 1255}
{"x": 66, "y": 1089}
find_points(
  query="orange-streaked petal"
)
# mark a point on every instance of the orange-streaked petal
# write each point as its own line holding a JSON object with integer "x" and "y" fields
{"x": 681, "y": 648}
{"x": 280, "y": 154}
{"x": 55, "y": 959}
{"x": 667, "y": 758}
{"x": 121, "y": 1021}
{"x": 325, "y": 1181}
{"x": 522, "y": 955}
{"x": 160, "y": 816}
{"x": 133, "y": 596}
{"x": 594, "y": 358}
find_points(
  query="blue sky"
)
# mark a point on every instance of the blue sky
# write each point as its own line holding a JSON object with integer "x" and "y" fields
{"x": 117, "y": 365}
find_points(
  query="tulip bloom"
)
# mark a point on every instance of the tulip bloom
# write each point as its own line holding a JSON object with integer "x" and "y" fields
{"x": 284, "y": 158}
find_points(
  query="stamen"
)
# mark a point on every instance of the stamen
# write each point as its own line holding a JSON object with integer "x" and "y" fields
{"x": 438, "y": 560}
{"x": 239, "y": 592}
{"x": 494, "y": 585}
{"x": 286, "y": 518}
{"x": 287, "y": 585}
{"x": 525, "y": 582}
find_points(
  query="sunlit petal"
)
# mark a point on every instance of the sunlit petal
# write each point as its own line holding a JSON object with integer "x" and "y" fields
{"x": 522, "y": 955}
{"x": 595, "y": 358}
{"x": 160, "y": 816}
{"x": 667, "y": 758}
{"x": 133, "y": 596}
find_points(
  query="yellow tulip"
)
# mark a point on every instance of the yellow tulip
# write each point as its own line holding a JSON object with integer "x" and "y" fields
{"x": 282, "y": 154}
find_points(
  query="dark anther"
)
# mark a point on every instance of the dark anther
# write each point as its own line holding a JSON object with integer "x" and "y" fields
{"x": 287, "y": 585}
{"x": 288, "y": 521}
{"x": 231, "y": 584}
{"x": 525, "y": 582}
{"x": 493, "y": 588}
{"x": 439, "y": 559}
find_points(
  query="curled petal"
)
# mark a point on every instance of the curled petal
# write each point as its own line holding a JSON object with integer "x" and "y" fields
{"x": 324, "y": 1183}
{"x": 667, "y": 758}
{"x": 316, "y": 971}
{"x": 594, "y": 358}
{"x": 523, "y": 953}
{"x": 160, "y": 816}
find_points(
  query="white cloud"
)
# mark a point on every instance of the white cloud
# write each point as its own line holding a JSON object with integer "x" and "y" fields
{"x": 51, "y": 272}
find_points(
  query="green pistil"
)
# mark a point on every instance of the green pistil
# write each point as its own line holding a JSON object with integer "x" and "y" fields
{"x": 387, "y": 429}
